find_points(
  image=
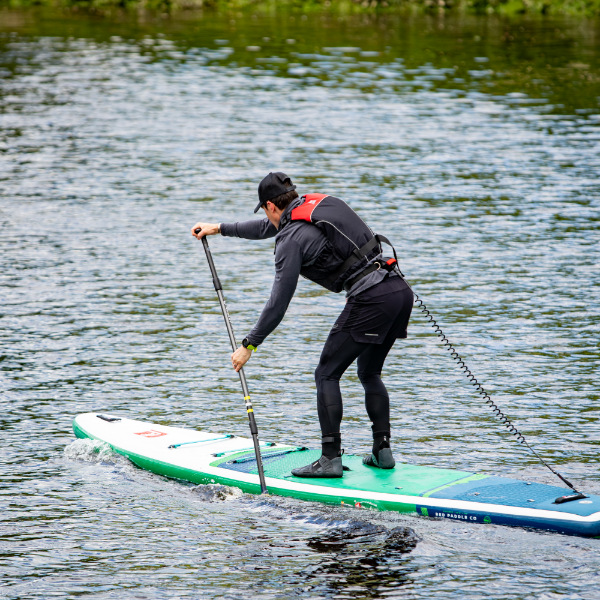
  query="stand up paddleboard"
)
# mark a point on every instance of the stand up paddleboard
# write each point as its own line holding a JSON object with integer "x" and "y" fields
{"x": 204, "y": 457}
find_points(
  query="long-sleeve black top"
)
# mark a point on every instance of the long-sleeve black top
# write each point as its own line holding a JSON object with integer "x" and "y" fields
{"x": 299, "y": 245}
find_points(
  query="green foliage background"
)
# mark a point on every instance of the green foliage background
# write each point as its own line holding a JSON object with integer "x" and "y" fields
{"x": 340, "y": 7}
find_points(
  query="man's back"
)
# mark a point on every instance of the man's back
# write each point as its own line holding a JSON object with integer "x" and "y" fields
{"x": 322, "y": 238}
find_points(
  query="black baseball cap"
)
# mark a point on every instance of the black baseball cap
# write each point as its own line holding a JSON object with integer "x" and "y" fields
{"x": 273, "y": 185}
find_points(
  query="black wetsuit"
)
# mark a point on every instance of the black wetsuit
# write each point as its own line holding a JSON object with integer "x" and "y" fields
{"x": 377, "y": 312}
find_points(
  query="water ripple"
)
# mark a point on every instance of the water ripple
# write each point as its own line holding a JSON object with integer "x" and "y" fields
{"x": 471, "y": 146}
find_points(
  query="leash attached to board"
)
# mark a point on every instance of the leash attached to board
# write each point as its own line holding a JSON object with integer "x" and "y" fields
{"x": 249, "y": 409}
{"x": 504, "y": 420}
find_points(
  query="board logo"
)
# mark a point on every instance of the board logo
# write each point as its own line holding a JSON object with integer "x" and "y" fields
{"x": 445, "y": 513}
{"x": 151, "y": 433}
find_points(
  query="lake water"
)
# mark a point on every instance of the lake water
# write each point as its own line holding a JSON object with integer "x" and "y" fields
{"x": 474, "y": 144}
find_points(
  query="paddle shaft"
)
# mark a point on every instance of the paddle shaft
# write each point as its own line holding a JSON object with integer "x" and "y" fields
{"x": 249, "y": 409}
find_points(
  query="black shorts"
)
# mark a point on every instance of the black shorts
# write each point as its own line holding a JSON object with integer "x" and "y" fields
{"x": 381, "y": 310}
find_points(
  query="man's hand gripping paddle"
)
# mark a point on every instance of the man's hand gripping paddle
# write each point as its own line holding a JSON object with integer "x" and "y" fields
{"x": 249, "y": 410}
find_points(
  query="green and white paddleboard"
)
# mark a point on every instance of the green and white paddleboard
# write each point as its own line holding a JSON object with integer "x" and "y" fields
{"x": 204, "y": 457}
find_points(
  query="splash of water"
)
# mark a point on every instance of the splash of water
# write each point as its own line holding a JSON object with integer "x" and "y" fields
{"x": 90, "y": 451}
{"x": 215, "y": 492}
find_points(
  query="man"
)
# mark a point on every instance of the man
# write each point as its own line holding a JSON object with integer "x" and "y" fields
{"x": 320, "y": 237}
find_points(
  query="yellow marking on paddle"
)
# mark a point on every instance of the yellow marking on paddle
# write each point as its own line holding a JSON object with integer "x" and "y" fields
{"x": 250, "y": 410}
{"x": 246, "y": 397}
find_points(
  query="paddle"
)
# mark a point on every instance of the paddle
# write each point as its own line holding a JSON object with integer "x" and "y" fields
{"x": 249, "y": 410}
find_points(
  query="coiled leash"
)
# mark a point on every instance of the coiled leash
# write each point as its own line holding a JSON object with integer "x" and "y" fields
{"x": 504, "y": 420}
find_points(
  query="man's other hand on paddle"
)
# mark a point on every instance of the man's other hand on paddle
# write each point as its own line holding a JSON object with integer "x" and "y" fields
{"x": 240, "y": 357}
{"x": 205, "y": 229}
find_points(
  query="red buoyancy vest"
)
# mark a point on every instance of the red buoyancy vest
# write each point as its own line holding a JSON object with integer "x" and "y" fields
{"x": 353, "y": 243}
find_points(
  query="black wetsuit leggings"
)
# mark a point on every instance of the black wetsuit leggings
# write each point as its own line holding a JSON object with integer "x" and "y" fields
{"x": 340, "y": 351}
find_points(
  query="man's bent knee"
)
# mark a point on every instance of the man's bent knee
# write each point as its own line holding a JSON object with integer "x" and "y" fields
{"x": 369, "y": 377}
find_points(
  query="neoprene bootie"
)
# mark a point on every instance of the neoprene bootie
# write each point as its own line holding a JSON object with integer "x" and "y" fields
{"x": 330, "y": 463}
{"x": 322, "y": 468}
{"x": 381, "y": 457}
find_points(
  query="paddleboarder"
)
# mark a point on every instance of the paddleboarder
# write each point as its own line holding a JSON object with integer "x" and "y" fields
{"x": 320, "y": 237}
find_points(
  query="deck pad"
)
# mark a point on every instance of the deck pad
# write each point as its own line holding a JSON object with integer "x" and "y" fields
{"x": 404, "y": 479}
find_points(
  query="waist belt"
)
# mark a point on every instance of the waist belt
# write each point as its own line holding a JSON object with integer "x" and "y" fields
{"x": 388, "y": 265}
{"x": 359, "y": 254}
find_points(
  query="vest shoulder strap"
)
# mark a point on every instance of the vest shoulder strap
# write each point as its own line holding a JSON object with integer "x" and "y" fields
{"x": 305, "y": 210}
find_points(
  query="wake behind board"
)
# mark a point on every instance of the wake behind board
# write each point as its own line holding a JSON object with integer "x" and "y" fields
{"x": 204, "y": 457}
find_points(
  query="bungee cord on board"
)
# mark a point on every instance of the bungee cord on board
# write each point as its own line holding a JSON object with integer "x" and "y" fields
{"x": 504, "y": 420}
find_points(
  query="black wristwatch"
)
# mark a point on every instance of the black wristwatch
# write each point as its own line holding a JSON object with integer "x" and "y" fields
{"x": 248, "y": 345}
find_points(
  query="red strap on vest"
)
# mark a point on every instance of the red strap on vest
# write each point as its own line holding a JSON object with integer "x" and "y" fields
{"x": 305, "y": 210}
{"x": 391, "y": 261}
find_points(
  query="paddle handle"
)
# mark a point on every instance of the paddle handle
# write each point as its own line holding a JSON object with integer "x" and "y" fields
{"x": 249, "y": 409}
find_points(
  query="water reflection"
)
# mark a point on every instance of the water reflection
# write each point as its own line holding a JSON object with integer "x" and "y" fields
{"x": 365, "y": 559}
